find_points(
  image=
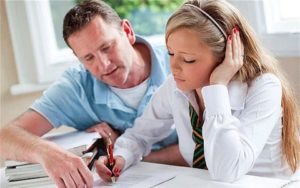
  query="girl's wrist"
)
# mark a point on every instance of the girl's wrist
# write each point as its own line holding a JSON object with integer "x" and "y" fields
{"x": 218, "y": 82}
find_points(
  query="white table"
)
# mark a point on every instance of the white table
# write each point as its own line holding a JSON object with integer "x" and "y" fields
{"x": 184, "y": 176}
{"x": 190, "y": 177}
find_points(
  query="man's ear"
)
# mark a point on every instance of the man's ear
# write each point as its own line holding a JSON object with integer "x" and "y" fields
{"x": 128, "y": 31}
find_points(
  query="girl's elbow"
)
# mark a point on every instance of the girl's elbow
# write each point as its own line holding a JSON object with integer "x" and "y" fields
{"x": 225, "y": 176}
{"x": 227, "y": 179}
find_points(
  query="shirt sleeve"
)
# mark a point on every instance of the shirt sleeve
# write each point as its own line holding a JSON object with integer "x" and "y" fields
{"x": 233, "y": 144}
{"x": 154, "y": 125}
{"x": 62, "y": 102}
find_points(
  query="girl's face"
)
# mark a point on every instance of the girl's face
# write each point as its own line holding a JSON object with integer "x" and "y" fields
{"x": 191, "y": 60}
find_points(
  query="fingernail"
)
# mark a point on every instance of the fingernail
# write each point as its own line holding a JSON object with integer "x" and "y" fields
{"x": 229, "y": 38}
{"x": 116, "y": 170}
{"x": 236, "y": 29}
{"x": 108, "y": 173}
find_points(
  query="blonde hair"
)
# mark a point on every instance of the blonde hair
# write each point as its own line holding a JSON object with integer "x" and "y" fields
{"x": 257, "y": 58}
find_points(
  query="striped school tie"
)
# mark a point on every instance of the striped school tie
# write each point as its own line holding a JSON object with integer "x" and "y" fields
{"x": 198, "y": 159}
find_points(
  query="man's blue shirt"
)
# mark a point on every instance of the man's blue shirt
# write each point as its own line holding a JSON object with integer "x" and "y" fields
{"x": 81, "y": 101}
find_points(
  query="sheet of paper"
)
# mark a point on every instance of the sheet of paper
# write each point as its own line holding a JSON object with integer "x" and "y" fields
{"x": 19, "y": 173}
{"x": 72, "y": 139}
{"x": 135, "y": 180}
{"x": 155, "y": 180}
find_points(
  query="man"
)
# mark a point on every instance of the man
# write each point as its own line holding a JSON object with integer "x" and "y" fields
{"x": 105, "y": 93}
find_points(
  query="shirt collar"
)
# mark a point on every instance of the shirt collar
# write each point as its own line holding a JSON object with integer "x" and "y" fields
{"x": 158, "y": 70}
{"x": 103, "y": 94}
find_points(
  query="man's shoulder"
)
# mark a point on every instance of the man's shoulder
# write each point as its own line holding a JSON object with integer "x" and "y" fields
{"x": 76, "y": 72}
{"x": 76, "y": 69}
{"x": 156, "y": 42}
{"x": 77, "y": 76}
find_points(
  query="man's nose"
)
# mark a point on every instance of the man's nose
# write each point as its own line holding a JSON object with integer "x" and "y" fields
{"x": 103, "y": 61}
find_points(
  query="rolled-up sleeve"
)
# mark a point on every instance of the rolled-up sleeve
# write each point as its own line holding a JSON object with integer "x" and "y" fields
{"x": 154, "y": 125}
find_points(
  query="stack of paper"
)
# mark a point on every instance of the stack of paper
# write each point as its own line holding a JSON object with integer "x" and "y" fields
{"x": 20, "y": 174}
{"x": 24, "y": 172}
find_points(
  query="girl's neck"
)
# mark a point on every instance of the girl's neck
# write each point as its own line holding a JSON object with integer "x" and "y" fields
{"x": 200, "y": 101}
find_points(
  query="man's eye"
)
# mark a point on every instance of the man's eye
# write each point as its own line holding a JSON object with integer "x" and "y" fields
{"x": 191, "y": 61}
{"x": 170, "y": 54}
{"x": 90, "y": 58}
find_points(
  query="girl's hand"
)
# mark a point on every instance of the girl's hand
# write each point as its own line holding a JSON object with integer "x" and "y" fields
{"x": 104, "y": 172}
{"x": 234, "y": 57}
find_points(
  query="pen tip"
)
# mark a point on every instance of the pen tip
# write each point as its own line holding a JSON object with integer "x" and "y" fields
{"x": 113, "y": 179}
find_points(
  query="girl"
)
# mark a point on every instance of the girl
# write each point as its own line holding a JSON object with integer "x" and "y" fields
{"x": 233, "y": 111}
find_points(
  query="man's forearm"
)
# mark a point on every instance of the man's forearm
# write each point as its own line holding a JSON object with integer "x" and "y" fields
{"x": 18, "y": 144}
{"x": 169, "y": 155}
{"x": 64, "y": 168}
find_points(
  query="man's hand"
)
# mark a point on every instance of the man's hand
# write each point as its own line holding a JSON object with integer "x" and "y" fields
{"x": 65, "y": 168}
{"x": 104, "y": 129}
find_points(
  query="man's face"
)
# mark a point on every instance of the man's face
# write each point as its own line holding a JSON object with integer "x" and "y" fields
{"x": 105, "y": 50}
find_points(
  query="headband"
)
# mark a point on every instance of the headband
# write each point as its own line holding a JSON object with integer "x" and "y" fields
{"x": 210, "y": 18}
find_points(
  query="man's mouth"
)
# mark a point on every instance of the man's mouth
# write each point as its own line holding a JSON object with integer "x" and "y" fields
{"x": 111, "y": 72}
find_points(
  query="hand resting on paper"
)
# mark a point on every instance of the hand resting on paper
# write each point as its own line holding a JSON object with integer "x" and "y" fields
{"x": 65, "y": 168}
{"x": 104, "y": 172}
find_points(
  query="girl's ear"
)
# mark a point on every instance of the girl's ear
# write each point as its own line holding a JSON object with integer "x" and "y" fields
{"x": 128, "y": 30}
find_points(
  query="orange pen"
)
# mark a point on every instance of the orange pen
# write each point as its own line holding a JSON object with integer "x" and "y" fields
{"x": 110, "y": 157}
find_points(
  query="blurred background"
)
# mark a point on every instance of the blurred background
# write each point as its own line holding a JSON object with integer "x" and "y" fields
{"x": 33, "y": 53}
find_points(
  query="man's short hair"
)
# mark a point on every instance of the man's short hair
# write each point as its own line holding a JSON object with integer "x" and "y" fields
{"x": 80, "y": 15}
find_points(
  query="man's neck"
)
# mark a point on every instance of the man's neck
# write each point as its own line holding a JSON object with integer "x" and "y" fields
{"x": 141, "y": 65}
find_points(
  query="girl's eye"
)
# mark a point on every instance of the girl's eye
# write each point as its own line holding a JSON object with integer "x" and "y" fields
{"x": 191, "y": 61}
{"x": 105, "y": 49}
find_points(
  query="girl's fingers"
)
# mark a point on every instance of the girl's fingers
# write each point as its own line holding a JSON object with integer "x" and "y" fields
{"x": 241, "y": 48}
{"x": 228, "y": 53}
{"x": 101, "y": 168}
{"x": 119, "y": 164}
{"x": 235, "y": 47}
{"x": 238, "y": 40}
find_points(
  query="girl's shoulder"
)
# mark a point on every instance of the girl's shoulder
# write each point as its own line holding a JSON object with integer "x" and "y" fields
{"x": 266, "y": 79}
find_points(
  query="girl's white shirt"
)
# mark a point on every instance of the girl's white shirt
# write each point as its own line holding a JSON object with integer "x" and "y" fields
{"x": 242, "y": 128}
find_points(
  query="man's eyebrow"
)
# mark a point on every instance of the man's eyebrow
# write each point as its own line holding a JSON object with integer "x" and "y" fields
{"x": 107, "y": 42}
{"x": 85, "y": 56}
{"x": 104, "y": 44}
